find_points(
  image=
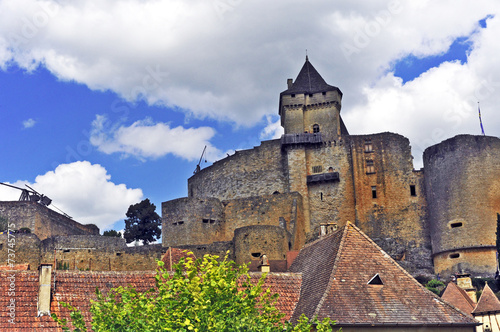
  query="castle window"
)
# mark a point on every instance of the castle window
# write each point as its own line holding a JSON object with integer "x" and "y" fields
{"x": 310, "y": 95}
{"x": 256, "y": 254}
{"x": 316, "y": 128}
{"x": 317, "y": 169}
{"x": 374, "y": 192}
{"x": 206, "y": 221}
{"x": 323, "y": 93}
{"x": 293, "y": 95}
{"x": 370, "y": 168}
{"x": 456, "y": 224}
{"x": 330, "y": 169}
{"x": 368, "y": 146}
{"x": 321, "y": 196}
{"x": 413, "y": 190}
{"x": 1, "y": 246}
{"x": 453, "y": 256}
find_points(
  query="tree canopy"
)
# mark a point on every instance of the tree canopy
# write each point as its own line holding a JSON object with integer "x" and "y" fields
{"x": 205, "y": 294}
{"x": 112, "y": 233}
{"x": 142, "y": 223}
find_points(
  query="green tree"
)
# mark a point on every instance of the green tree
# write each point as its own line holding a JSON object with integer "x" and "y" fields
{"x": 204, "y": 294}
{"x": 112, "y": 233}
{"x": 142, "y": 223}
{"x": 435, "y": 286}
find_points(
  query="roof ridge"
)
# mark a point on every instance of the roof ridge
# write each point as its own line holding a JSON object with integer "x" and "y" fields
{"x": 392, "y": 261}
{"x": 334, "y": 267}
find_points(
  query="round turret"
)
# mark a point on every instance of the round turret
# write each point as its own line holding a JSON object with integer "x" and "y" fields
{"x": 462, "y": 180}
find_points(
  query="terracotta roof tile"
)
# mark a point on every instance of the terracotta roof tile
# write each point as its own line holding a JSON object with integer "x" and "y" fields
{"x": 488, "y": 302}
{"x": 457, "y": 297}
{"x": 77, "y": 288}
{"x": 339, "y": 268}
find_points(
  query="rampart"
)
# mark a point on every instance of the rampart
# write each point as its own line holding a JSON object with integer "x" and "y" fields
{"x": 42, "y": 221}
{"x": 463, "y": 190}
{"x": 252, "y": 241}
{"x": 79, "y": 252}
{"x": 253, "y": 172}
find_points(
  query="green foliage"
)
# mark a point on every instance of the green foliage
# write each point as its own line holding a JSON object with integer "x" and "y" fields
{"x": 203, "y": 294}
{"x": 142, "y": 223}
{"x": 435, "y": 286}
{"x": 62, "y": 265}
{"x": 112, "y": 233}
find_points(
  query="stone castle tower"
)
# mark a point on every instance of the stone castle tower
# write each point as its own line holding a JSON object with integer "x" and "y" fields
{"x": 277, "y": 196}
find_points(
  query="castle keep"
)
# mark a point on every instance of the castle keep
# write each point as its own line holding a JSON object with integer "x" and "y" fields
{"x": 274, "y": 198}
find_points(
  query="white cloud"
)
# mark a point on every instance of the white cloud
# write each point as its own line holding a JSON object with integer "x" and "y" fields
{"x": 29, "y": 123}
{"x": 82, "y": 190}
{"x": 147, "y": 139}
{"x": 273, "y": 129}
{"x": 228, "y": 61}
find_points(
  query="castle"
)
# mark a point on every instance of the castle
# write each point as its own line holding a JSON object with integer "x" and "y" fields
{"x": 274, "y": 198}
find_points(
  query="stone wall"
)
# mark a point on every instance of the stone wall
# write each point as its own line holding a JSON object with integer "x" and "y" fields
{"x": 24, "y": 248}
{"x": 462, "y": 178}
{"x": 331, "y": 201}
{"x": 275, "y": 210}
{"x": 252, "y": 241}
{"x": 254, "y": 172}
{"x": 390, "y": 197}
{"x": 43, "y": 221}
{"x": 190, "y": 220}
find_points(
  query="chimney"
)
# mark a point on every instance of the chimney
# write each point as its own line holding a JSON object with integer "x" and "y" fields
{"x": 44, "y": 290}
{"x": 289, "y": 82}
{"x": 465, "y": 282}
{"x": 327, "y": 228}
{"x": 264, "y": 264}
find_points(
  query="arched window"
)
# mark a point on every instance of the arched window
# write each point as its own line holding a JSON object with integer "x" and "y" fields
{"x": 316, "y": 128}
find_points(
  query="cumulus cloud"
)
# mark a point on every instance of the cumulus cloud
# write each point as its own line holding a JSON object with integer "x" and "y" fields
{"x": 82, "y": 190}
{"x": 233, "y": 62}
{"x": 147, "y": 139}
{"x": 273, "y": 129}
{"x": 29, "y": 123}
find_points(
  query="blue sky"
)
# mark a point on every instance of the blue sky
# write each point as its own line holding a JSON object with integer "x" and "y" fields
{"x": 103, "y": 104}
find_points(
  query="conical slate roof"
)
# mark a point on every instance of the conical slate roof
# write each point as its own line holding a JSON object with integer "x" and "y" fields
{"x": 488, "y": 302}
{"x": 309, "y": 81}
{"x": 348, "y": 278}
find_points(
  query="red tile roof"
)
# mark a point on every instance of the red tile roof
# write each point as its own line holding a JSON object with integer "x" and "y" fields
{"x": 457, "y": 297}
{"x": 488, "y": 302}
{"x": 336, "y": 271}
{"x": 77, "y": 288}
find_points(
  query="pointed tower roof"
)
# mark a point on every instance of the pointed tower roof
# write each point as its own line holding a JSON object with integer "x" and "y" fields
{"x": 309, "y": 81}
{"x": 488, "y": 302}
{"x": 457, "y": 297}
{"x": 347, "y": 277}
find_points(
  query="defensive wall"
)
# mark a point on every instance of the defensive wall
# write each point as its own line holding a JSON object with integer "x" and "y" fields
{"x": 42, "y": 221}
{"x": 462, "y": 180}
{"x": 199, "y": 221}
{"x": 80, "y": 252}
{"x": 253, "y": 172}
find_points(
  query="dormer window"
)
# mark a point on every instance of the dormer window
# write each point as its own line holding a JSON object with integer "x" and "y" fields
{"x": 375, "y": 280}
{"x": 316, "y": 128}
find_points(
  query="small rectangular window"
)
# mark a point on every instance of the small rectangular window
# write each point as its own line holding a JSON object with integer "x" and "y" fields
{"x": 370, "y": 168}
{"x": 413, "y": 190}
{"x": 368, "y": 146}
{"x": 323, "y": 93}
{"x": 456, "y": 255}
{"x": 310, "y": 95}
{"x": 293, "y": 95}
{"x": 374, "y": 192}
{"x": 317, "y": 169}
